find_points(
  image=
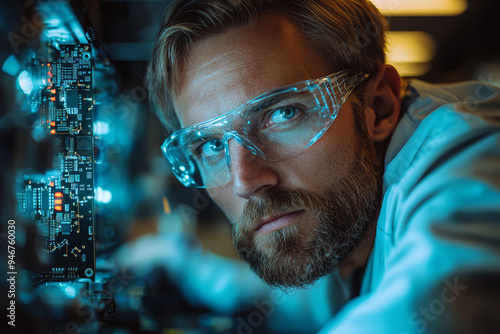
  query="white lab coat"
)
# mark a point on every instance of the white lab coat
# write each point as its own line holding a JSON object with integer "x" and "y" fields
{"x": 440, "y": 215}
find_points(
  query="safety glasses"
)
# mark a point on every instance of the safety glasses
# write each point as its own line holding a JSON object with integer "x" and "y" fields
{"x": 273, "y": 126}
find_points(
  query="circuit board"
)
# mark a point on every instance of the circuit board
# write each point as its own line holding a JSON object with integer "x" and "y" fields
{"x": 61, "y": 201}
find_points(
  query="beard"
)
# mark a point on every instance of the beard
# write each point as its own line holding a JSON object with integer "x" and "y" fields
{"x": 287, "y": 258}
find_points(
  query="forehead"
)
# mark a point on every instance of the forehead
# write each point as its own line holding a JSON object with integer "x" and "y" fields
{"x": 226, "y": 70}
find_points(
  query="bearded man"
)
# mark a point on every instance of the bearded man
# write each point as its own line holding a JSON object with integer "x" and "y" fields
{"x": 326, "y": 164}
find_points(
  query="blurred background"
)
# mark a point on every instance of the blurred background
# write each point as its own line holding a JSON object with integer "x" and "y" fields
{"x": 83, "y": 180}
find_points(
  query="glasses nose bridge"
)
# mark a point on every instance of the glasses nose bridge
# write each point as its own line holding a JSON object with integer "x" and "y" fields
{"x": 242, "y": 141}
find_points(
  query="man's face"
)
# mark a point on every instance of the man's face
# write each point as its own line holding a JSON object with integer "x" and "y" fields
{"x": 294, "y": 220}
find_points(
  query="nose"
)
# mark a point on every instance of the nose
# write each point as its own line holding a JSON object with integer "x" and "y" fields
{"x": 251, "y": 174}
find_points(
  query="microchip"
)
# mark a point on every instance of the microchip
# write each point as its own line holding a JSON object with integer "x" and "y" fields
{"x": 65, "y": 228}
{"x": 84, "y": 145}
{"x": 71, "y": 98}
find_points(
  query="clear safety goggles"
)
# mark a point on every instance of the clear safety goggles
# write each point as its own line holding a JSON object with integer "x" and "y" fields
{"x": 273, "y": 126}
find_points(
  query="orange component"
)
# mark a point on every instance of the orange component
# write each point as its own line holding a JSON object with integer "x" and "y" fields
{"x": 52, "y": 123}
{"x": 53, "y": 91}
{"x": 166, "y": 205}
{"x": 58, "y": 201}
{"x": 49, "y": 73}
{"x": 53, "y": 131}
{"x": 51, "y": 183}
{"x": 58, "y": 195}
{"x": 53, "y": 98}
{"x": 58, "y": 207}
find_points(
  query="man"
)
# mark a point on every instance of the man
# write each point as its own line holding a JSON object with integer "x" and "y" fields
{"x": 288, "y": 115}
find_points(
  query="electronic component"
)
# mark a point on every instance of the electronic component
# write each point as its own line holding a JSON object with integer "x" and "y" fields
{"x": 61, "y": 202}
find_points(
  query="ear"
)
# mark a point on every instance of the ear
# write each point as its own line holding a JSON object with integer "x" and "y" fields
{"x": 383, "y": 102}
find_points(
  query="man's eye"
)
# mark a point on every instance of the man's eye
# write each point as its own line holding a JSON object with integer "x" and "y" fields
{"x": 284, "y": 118}
{"x": 212, "y": 148}
{"x": 283, "y": 114}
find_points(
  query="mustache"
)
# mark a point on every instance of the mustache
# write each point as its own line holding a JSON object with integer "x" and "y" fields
{"x": 276, "y": 203}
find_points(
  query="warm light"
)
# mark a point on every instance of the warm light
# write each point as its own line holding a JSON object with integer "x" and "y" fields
{"x": 58, "y": 195}
{"x": 53, "y": 131}
{"x": 58, "y": 208}
{"x": 410, "y": 51}
{"x": 410, "y": 46}
{"x": 58, "y": 201}
{"x": 166, "y": 205}
{"x": 52, "y": 123}
{"x": 412, "y": 70}
{"x": 421, "y": 7}
{"x": 51, "y": 183}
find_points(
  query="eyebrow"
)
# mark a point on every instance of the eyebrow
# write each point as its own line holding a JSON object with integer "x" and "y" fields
{"x": 266, "y": 103}
{"x": 197, "y": 136}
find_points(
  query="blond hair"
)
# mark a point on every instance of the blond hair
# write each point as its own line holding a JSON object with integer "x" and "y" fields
{"x": 349, "y": 33}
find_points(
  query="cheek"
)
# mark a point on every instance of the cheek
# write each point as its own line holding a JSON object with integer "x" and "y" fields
{"x": 318, "y": 167}
{"x": 325, "y": 161}
{"x": 228, "y": 202}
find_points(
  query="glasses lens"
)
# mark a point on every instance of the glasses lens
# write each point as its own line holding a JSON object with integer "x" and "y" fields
{"x": 196, "y": 163}
{"x": 280, "y": 126}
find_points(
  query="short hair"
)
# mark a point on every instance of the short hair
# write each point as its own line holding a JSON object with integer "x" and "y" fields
{"x": 349, "y": 33}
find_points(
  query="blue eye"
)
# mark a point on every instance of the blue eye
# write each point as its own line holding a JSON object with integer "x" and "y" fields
{"x": 283, "y": 114}
{"x": 212, "y": 148}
